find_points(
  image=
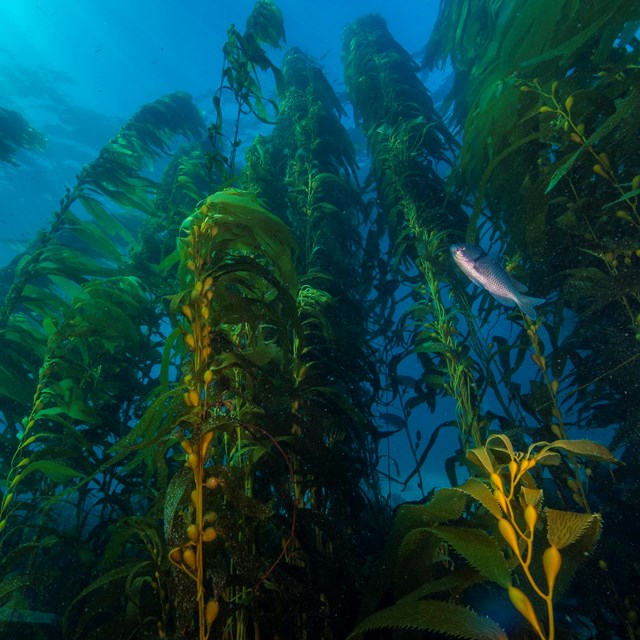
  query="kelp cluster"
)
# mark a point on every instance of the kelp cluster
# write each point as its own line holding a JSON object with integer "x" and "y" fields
{"x": 497, "y": 542}
{"x": 16, "y": 133}
{"x": 202, "y": 365}
{"x": 544, "y": 98}
{"x": 193, "y": 449}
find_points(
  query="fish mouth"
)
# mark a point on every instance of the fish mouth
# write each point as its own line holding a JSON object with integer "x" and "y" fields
{"x": 456, "y": 249}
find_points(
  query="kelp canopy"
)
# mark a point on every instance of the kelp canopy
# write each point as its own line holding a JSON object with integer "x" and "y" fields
{"x": 203, "y": 366}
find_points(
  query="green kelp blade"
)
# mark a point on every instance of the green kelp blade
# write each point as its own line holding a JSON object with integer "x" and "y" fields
{"x": 12, "y": 386}
{"x": 479, "y": 549}
{"x": 433, "y": 616}
{"x": 477, "y": 489}
{"x": 57, "y": 471}
{"x": 12, "y": 583}
{"x": 458, "y": 580}
{"x": 625, "y": 196}
{"x": 179, "y": 487}
{"x": 114, "y": 580}
{"x": 587, "y": 449}
{"x": 626, "y": 107}
{"x": 107, "y": 221}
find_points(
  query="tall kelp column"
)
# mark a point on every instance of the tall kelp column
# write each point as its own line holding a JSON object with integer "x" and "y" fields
{"x": 305, "y": 170}
{"x": 195, "y": 455}
{"x": 408, "y": 143}
{"x": 80, "y": 328}
{"x": 546, "y": 98}
{"x": 494, "y": 521}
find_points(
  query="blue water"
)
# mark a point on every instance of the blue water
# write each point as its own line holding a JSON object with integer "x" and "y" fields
{"x": 78, "y": 70}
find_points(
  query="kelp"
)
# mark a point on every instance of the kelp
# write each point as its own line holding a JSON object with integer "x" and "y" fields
{"x": 439, "y": 551}
{"x": 77, "y": 388}
{"x": 543, "y": 98}
{"x": 202, "y": 429}
{"x": 75, "y": 307}
{"x": 408, "y": 140}
{"x": 58, "y": 261}
{"x": 305, "y": 170}
{"x": 83, "y": 399}
{"x": 16, "y": 133}
{"x": 244, "y": 58}
{"x": 241, "y": 319}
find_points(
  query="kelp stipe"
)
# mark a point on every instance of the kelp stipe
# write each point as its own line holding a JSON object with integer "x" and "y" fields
{"x": 238, "y": 321}
{"x": 498, "y": 536}
{"x": 407, "y": 139}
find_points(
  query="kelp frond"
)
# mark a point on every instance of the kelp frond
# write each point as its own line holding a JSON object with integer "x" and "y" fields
{"x": 16, "y": 133}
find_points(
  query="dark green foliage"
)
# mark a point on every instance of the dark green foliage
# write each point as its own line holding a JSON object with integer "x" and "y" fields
{"x": 76, "y": 307}
{"x": 15, "y": 134}
{"x": 281, "y": 331}
{"x": 417, "y": 219}
{"x": 405, "y": 132}
{"x": 544, "y": 98}
{"x": 47, "y": 276}
{"x": 434, "y": 616}
{"x": 244, "y": 58}
{"x": 305, "y": 171}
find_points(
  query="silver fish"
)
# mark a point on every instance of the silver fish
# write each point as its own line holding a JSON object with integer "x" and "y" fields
{"x": 484, "y": 271}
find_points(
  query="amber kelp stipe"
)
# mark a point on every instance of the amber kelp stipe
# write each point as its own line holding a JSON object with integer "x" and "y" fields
{"x": 206, "y": 377}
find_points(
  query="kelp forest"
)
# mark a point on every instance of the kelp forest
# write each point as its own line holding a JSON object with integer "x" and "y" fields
{"x": 206, "y": 355}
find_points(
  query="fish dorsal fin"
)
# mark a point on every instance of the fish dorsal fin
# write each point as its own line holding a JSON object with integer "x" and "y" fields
{"x": 519, "y": 287}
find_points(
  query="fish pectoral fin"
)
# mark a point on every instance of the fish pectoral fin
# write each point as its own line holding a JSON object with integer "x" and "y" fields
{"x": 475, "y": 281}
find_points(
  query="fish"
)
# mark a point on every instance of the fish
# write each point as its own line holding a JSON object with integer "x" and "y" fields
{"x": 486, "y": 272}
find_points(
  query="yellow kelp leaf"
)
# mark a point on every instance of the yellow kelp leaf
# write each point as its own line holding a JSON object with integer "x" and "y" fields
{"x": 481, "y": 492}
{"x": 565, "y": 527}
{"x": 530, "y": 496}
{"x": 586, "y": 449}
{"x": 480, "y": 457}
{"x": 507, "y": 446}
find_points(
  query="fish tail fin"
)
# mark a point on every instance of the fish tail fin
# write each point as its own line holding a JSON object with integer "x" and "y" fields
{"x": 527, "y": 304}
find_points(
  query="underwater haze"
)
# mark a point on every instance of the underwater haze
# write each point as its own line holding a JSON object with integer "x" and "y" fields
{"x": 319, "y": 320}
{"x": 78, "y": 71}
